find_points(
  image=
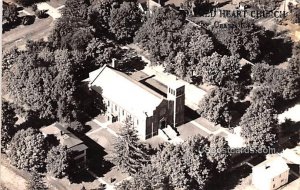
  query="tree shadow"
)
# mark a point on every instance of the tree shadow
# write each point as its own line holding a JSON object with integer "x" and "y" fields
{"x": 276, "y": 50}
{"x": 133, "y": 64}
{"x": 289, "y": 134}
{"x": 28, "y": 19}
{"x": 95, "y": 162}
{"x": 229, "y": 180}
{"x": 9, "y": 26}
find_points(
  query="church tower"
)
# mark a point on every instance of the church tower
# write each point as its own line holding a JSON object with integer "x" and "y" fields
{"x": 176, "y": 97}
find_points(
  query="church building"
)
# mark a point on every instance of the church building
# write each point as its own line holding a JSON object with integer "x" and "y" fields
{"x": 125, "y": 97}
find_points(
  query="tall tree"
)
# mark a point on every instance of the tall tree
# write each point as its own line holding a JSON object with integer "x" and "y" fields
{"x": 284, "y": 82}
{"x": 128, "y": 153}
{"x": 259, "y": 127}
{"x": 58, "y": 161}
{"x": 160, "y": 31}
{"x": 242, "y": 41}
{"x": 10, "y": 13}
{"x": 36, "y": 182}
{"x": 218, "y": 153}
{"x": 216, "y": 106}
{"x": 217, "y": 69}
{"x": 27, "y": 150}
{"x": 8, "y": 120}
{"x": 76, "y": 9}
{"x": 125, "y": 21}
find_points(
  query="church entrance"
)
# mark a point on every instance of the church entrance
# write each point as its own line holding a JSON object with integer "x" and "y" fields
{"x": 162, "y": 123}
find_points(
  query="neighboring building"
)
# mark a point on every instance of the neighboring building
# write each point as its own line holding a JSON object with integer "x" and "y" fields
{"x": 68, "y": 139}
{"x": 148, "y": 5}
{"x": 125, "y": 97}
{"x": 270, "y": 174}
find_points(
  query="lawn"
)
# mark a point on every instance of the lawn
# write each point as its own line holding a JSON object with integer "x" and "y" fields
{"x": 188, "y": 130}
{"x": 104, "y": 138}
{"x": 13, "y": 178}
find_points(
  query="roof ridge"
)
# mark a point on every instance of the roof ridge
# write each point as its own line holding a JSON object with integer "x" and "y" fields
{"x": 131, "y": 80}
{"x": 102, "y": 68}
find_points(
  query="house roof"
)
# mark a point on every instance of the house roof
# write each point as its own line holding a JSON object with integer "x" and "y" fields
{"x": 65, "y": 137}
{"x": 292, "y": 155}
{"x": 272, "y": 167}
{"x": 129, "y": 94}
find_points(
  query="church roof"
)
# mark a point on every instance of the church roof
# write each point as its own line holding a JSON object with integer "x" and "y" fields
{"x": 124, "y": 91}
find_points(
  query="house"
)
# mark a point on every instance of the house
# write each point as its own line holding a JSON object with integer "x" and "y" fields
{"x": 270, "y": 174}
{"x": 68, "y": 139}
{"x": 125, "y": 97}
{"x": 148, "y": 5}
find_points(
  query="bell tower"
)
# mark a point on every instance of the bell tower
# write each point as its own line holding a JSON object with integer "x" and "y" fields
{"x": 176, "y": 97}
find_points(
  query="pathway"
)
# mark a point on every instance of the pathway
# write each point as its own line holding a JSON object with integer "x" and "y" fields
{"x": 107, "y": 185}
{"x": 102, "y": 126}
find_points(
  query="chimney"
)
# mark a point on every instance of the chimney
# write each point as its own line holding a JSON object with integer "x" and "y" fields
{"x": 114, "y": 63}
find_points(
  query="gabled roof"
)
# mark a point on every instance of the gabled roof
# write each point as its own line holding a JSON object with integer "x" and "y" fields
{"x": 65, "y": 137}
{"x": 272, "y": 167}
{"x": 129, "y": 94}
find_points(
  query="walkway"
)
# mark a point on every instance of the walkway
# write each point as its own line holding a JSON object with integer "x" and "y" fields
{"x": 103, "y": 126}
{"x": 107, "y": 185}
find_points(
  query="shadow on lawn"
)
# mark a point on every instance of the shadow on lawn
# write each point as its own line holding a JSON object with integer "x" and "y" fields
{"x": 229, "y": 180}
{"x": 95, "y": 162}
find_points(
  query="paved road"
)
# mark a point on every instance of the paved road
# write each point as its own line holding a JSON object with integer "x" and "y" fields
{"x": 41, "y": 28}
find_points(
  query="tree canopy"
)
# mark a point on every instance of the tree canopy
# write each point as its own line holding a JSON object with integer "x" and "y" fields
{"x": 27, "y": 150}
{"x": 217, "y": 106}
{"x": 8, "y": 121}
{"x": 243, "y": 41}
{"x": 125, "y": 21}
{"x": 58, "y": 161}
{"x": 128, "y": 153}
{"x": 259, "y": 127}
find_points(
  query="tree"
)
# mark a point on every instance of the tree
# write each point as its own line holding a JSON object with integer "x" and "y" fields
{"x": 76, "y": 126}
{"x": 101, "y": 51}
{"x": 125, "y": 21}
{"x": 217, "y": 69}
{"x": 8, "y": 121}
{"x": 41, "y": 14}
{"x": 128, "y": 154}
{"x": 65, "y": 28}
{"x": 58, "y": 161}
{"x": 36, "y": 182}
{"x": 10, "y": 13}
{"x": 259, "y": 127}
{"x": 179, "y": 66}
{"x": 99, "y": 16}
{"x": 285, "y": 83}
{"x": 196, "y": 42}
{"x": 160, "y": 31}
{"x": 192, "y": 169}
{"x": 193, "y": 6}
{"x": 294, "y": 65}
{"x": 26, "y": 3}
{"x": 9, "y": 58}
{"x": 216, "y": 107}
{"x": 264, "y": 96}
{"x": 218, "y": 153}
{"x": 27, "y": 150}
{"x": 76, "y": 9}
{"x": 81, "y": 38}
{"x": 295, "y": 15}
{"x": 244, "y": 41}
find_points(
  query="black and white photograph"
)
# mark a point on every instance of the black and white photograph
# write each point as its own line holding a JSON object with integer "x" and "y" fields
{"x": 150, "y": 95}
